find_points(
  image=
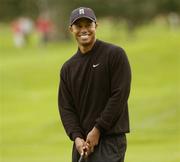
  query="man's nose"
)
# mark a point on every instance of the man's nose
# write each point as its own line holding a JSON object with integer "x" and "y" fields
{"x": 83, "y": 29}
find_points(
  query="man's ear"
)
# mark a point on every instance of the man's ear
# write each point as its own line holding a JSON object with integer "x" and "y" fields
{"x": 96, "y": 25}
{"x": 70, "y": 29}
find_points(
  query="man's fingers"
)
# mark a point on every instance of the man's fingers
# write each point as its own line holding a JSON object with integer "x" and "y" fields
{"x": 82, "y": 152}
{"x": 87, "y": 143}
{"x": 83, "y": 148}
{"x": 87, "y": 146}
{"x": 92, "y": 149}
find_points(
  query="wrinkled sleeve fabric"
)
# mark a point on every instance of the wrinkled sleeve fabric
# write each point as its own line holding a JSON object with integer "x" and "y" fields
{"x": 120, "y": 77}
{"x": 67, "y": 109}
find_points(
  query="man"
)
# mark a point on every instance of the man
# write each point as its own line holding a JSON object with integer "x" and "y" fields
{"x": 93, "y": 93}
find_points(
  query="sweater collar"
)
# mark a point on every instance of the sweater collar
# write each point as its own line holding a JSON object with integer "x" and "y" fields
{"x": 95, "y": 46}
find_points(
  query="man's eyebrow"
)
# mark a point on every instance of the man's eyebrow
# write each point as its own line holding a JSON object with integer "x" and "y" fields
{"x": 76, "y": 23}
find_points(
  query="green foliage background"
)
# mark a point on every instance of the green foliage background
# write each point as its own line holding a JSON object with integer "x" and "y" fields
{"x": 31, "y": 130}
{"x": 133, "y": 12}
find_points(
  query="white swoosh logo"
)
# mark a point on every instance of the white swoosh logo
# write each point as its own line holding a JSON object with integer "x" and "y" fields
{"x": 95, "y": 65}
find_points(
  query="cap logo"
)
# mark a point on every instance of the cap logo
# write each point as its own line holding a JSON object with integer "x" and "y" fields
{"x": 81, "y": 11}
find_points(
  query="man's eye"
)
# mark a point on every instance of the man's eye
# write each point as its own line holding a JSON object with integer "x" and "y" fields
{"x": 77, "y": 25}
{"x": 89, "y": 25}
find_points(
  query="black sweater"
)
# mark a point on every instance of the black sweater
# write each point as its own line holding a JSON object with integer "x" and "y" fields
{"x": 94, "y": 89}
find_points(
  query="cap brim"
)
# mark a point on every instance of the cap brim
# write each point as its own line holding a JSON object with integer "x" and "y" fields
{"x": 82, "y": 17}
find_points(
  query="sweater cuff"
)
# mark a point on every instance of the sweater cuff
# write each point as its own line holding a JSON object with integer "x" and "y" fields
{"x": 75, "y": 135}
{"x": 99, "y": 128}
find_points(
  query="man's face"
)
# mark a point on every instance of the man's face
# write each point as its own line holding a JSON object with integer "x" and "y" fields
{"x": 84, "y": 30}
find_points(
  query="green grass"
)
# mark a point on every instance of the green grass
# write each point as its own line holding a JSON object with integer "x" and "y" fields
{"x": 30, "y": 126}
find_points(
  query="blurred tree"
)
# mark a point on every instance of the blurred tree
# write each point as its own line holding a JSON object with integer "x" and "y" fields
{"x": 168, "y": 6}
{"x": 134, "y": 12}
{"x": 10, "y": 9}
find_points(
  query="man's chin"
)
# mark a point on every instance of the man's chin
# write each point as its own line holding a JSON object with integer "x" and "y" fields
{"x": 85, "y": 42}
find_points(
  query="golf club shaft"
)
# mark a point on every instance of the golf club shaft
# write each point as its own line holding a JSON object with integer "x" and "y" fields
{"x": 81, "y": 158}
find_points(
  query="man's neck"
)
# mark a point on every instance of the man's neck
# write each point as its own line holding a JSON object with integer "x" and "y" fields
{"x": 85, "y": 49}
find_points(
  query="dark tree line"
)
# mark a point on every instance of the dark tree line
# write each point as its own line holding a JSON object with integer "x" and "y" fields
{"x": 133, "y": 11}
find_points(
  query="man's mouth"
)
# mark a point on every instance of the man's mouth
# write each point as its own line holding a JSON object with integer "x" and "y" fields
{"x": 85, "y": 36}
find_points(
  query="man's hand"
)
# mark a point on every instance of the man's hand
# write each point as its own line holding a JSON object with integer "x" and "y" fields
{"x": 80, "y": 145}
{"x": 93, "y": 138}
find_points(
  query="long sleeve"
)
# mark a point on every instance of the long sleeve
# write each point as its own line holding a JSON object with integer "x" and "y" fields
{"x": 120, "y": 76}
{"x": 67, "y": 110}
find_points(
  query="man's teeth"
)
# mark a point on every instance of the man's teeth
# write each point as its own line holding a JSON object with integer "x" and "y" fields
{"x": 84, "y": 36}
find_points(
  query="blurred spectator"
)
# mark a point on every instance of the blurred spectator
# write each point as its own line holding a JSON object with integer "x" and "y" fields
{"x": 22, "y": 28}
{"x": 174, "y": 20}
{"x": 45, "y": 28}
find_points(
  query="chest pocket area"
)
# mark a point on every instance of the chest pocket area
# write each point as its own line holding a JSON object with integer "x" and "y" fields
{"x": 100, "y": 76}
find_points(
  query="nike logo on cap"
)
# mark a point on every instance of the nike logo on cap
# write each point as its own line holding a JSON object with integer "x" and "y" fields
{"x": 95, "y": 65}
{"x": 81, "y": 11}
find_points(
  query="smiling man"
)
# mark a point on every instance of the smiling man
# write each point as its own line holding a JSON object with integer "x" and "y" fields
{"x": 93, "y": 93}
